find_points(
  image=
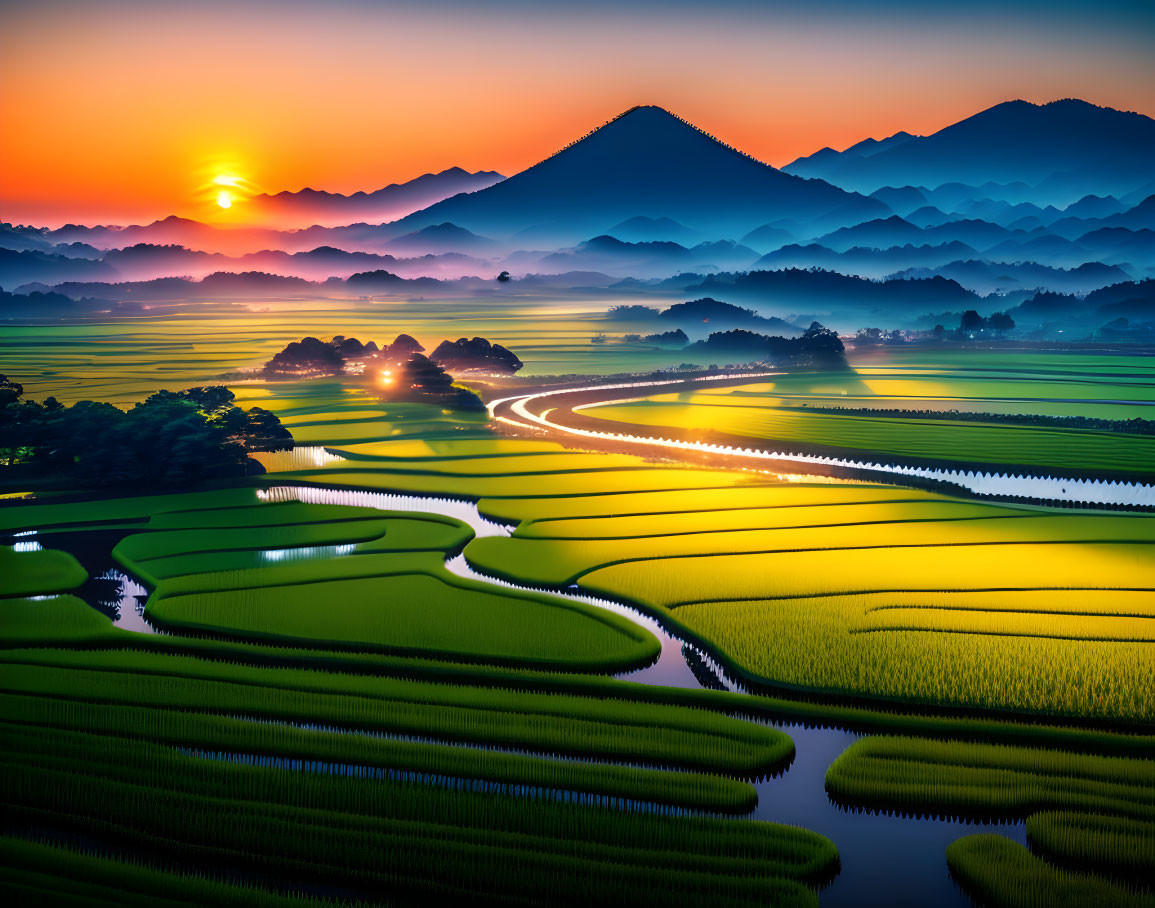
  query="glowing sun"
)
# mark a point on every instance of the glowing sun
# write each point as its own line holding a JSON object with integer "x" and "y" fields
{"x": 227, "y": 182}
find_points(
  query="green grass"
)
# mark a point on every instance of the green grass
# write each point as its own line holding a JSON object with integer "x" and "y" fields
{"x": 1054, "y": 652}
{"x": 119, "y": 711}
{"x": 38, "y": 572}
{"x": 1004, "y": 874}
{"x": 281, "y": 513}
{"x": 276, "y": 547}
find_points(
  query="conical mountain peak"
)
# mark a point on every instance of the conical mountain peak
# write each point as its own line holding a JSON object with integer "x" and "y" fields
{"x": 644, "y": 162}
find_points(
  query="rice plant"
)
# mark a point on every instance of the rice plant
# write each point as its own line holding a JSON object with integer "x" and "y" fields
{"x": 1004, "y": 874}
{"x": 968, "y": 777}
{"x": 622, "y": 730}
{"x": 37, "y": 571}
{"x": 1121, "y": 845}
{"x": 391, "y": 838}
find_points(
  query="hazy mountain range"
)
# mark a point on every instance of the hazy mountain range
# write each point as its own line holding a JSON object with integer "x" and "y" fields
{"x": 1066, "y": 149}
{"x": 1005, "y": 207}
{"x": 330, "y": 209}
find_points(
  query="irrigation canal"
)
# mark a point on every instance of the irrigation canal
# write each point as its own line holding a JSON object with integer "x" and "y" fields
{"x": 886, "y": 859}
{"x": 896, "y": 860}
{"x": 558, "y": 412}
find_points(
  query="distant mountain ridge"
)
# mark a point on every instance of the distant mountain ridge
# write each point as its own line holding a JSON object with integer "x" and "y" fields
{"x": 331, "y": 209}
{"x": 1075, "y": 147}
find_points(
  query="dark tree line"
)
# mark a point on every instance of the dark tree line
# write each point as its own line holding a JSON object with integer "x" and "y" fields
{"x": 818, "y": 347}
{"x": 972, "y": 323}
{"x": 312, "y": 357}
{"x": 869, "y": 337}
{"x": 171, "y": 439}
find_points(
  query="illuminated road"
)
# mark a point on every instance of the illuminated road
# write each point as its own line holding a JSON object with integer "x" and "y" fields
{"x": 559, "y": 412}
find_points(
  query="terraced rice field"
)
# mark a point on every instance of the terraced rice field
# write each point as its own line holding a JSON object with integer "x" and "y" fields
{"x": 866, "y": 590}
{"x": 166, "y": 717}
{"x": 862, "y": 410}
{"x": 929, "y": 439}
{"x": 844, "y": 588}
{"x": 1005, "y": 874}
{"x": 1085, "y": 810}
{"x": 340, "y": 709}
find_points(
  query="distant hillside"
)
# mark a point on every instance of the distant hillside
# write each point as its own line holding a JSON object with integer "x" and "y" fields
{"x": 847, "y": 298}
{"x": 331, "y": 209}
{"x": 645, "y": 163}
{"x": 648, "y": 230}
{"x": 440, "y": 238}
{"x": 1075, "y": 146}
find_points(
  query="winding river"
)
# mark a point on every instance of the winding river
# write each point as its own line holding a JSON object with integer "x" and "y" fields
{"x": 893, "y": 860}
{"x": 533, "y": 412}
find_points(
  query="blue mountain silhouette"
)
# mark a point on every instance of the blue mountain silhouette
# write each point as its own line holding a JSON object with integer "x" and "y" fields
{"x": 644, "y": 163}
{"x": 1070, "y": 143}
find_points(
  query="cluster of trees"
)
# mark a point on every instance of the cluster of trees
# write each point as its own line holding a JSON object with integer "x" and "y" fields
{"x": 421, "y": 380}
{"x": 631, "y": 313}
{"x": 172, "y": 439}
{"x": 311, "y": 357}
{"x": 464, "y": 354}
{"x": 818, "y": 347}
{"x": 1123, "y": 329}
{"x": 873, "y": 337}
{"x": 675, "y": 338}
{"x": 971, "y": 324}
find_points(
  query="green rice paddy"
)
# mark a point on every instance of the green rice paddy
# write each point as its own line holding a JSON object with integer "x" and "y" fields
{"x": 1007, "y": 875}
{"x": 341, "y": 714}
{"x": 45, "y": 571}
{"x": 925, "y": 439}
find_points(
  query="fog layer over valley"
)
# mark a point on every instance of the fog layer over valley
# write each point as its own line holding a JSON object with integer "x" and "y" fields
{"x": 647, "y": 205}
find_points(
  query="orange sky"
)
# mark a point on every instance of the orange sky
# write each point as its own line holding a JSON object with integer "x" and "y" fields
{"x": 120, "y": 111}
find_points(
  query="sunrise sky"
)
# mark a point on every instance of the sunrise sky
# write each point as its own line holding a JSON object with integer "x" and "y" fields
{"x": 124, "y": 110}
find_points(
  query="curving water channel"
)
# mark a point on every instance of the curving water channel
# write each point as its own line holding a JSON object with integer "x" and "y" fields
{"x": 895, "y": 860}
{"x": 1108, "y": 493}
